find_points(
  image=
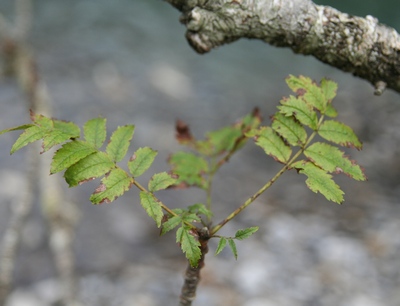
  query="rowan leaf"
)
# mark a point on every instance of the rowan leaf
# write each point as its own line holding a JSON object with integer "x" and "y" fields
{"x": 190, "y": 244}
{"x": 69, "y": 154}
{"x": 224, "y": 140}
{"x": 95, "y": 132}
{"x": 113, "y": 185}
{"x": 161, "y": 181}
{"x": 152, "y": 206}
{"x": 331, "y": 159}
{"x": 170, "y": 224}
{"x": 303, "y": 112}
{"x": 232, "y": 246}
{"x": 320, "y": 181}
{"x": 289, "y": 129}
{"x": 273, "y": 145}
{"x": 245, "y": 233}
{"x": 141, "y": 160}
{"x": 88, "y": 168}
{"x": 309, "y": 91}
{"x": 339, "y": 133}
{"x": 221, "y": 245}
{"x": 119, "y": 142}
{"x": 190, "y": 168}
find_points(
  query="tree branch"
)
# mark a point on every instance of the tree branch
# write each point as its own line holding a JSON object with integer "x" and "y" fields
{"x": 361, "y": 46}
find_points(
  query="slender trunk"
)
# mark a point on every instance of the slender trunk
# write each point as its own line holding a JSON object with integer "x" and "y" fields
{"x": 192, "y": 275}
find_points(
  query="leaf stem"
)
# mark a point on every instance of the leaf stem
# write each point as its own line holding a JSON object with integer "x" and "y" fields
{"x": 250, "y": 200}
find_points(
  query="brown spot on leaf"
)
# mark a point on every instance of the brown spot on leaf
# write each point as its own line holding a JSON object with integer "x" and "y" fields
{"x": 87, "y": 180}
{"x": 133, "y": 157}
{"x": 99, "y": 189}
{"x": 301, "y": 92}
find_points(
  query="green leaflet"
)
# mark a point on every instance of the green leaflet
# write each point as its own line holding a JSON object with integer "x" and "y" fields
{"x": 119, "y": 142}
{"x": 245, "y": 233}
{"x": 69, "y": 129}
{"x": 303, "y": 111}
{"x": 170, "y": 224}
{"x": 329, "y": 89}
{"x": 88, "y": 168}
{"x": 289, "y": 129}
{"x": 151, "y": 206}
{"x": 31, "y": 134}
{"x": 16, "y": 128}
{"x": 273, "y": 145}
{"x": 113, "y": 185}
{"x": 339, "y": 133}
{"x": 309, "y": 91}
{"x": 320, "y": 181}
{"x": 94, "y": 131}
{"x": 190, "y": 168}
{"x": 42, "y": 121}
{"x": 141, "y": 160}
{"x": 190, "y": 244}
{"x": 331, "y": 159}
{"x": 232, "y": 246}
{"x": 161, "y": 181}
{"x": 221, "y": 245}
{"x": 69, "y": 154}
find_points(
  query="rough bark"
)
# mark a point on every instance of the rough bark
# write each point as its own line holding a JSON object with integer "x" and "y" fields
{"x": 361, "y": 46}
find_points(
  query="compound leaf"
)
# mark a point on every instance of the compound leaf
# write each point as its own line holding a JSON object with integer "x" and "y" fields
{"x": 119, "y": 142}
{"x": 232, "y": 246}
{"x": 151, "y": 206}
{"x": 221, "y": 245}
{"x": 141, "y": 160}
{"x": 190, "y": 244}
{"x": 161, "y": 181}
{"x": 69, "y": 154}
{"x": 303, "y": 112}
{"x": 339, "y": 133}
{"x": 94, "y": 131}
{"x": 289, "y": 129}
{"x": 88, "y": 168}
{"x": 273, "y": 145}
{"x": 113, "y": 185}
{"x": 331, "y": 159}
{"x": 245, "y": 233}
{"x": 320, "y": 181}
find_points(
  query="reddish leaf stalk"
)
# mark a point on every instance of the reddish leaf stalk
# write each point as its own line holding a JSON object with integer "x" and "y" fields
{"x": 192, "y": 274}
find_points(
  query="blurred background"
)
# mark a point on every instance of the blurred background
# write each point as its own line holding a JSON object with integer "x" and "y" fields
{"x": 129, "y": 62}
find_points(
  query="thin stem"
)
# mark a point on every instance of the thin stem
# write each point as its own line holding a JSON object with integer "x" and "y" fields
{"x": 267, "y": 185}
{"x": 249, "y": 201}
